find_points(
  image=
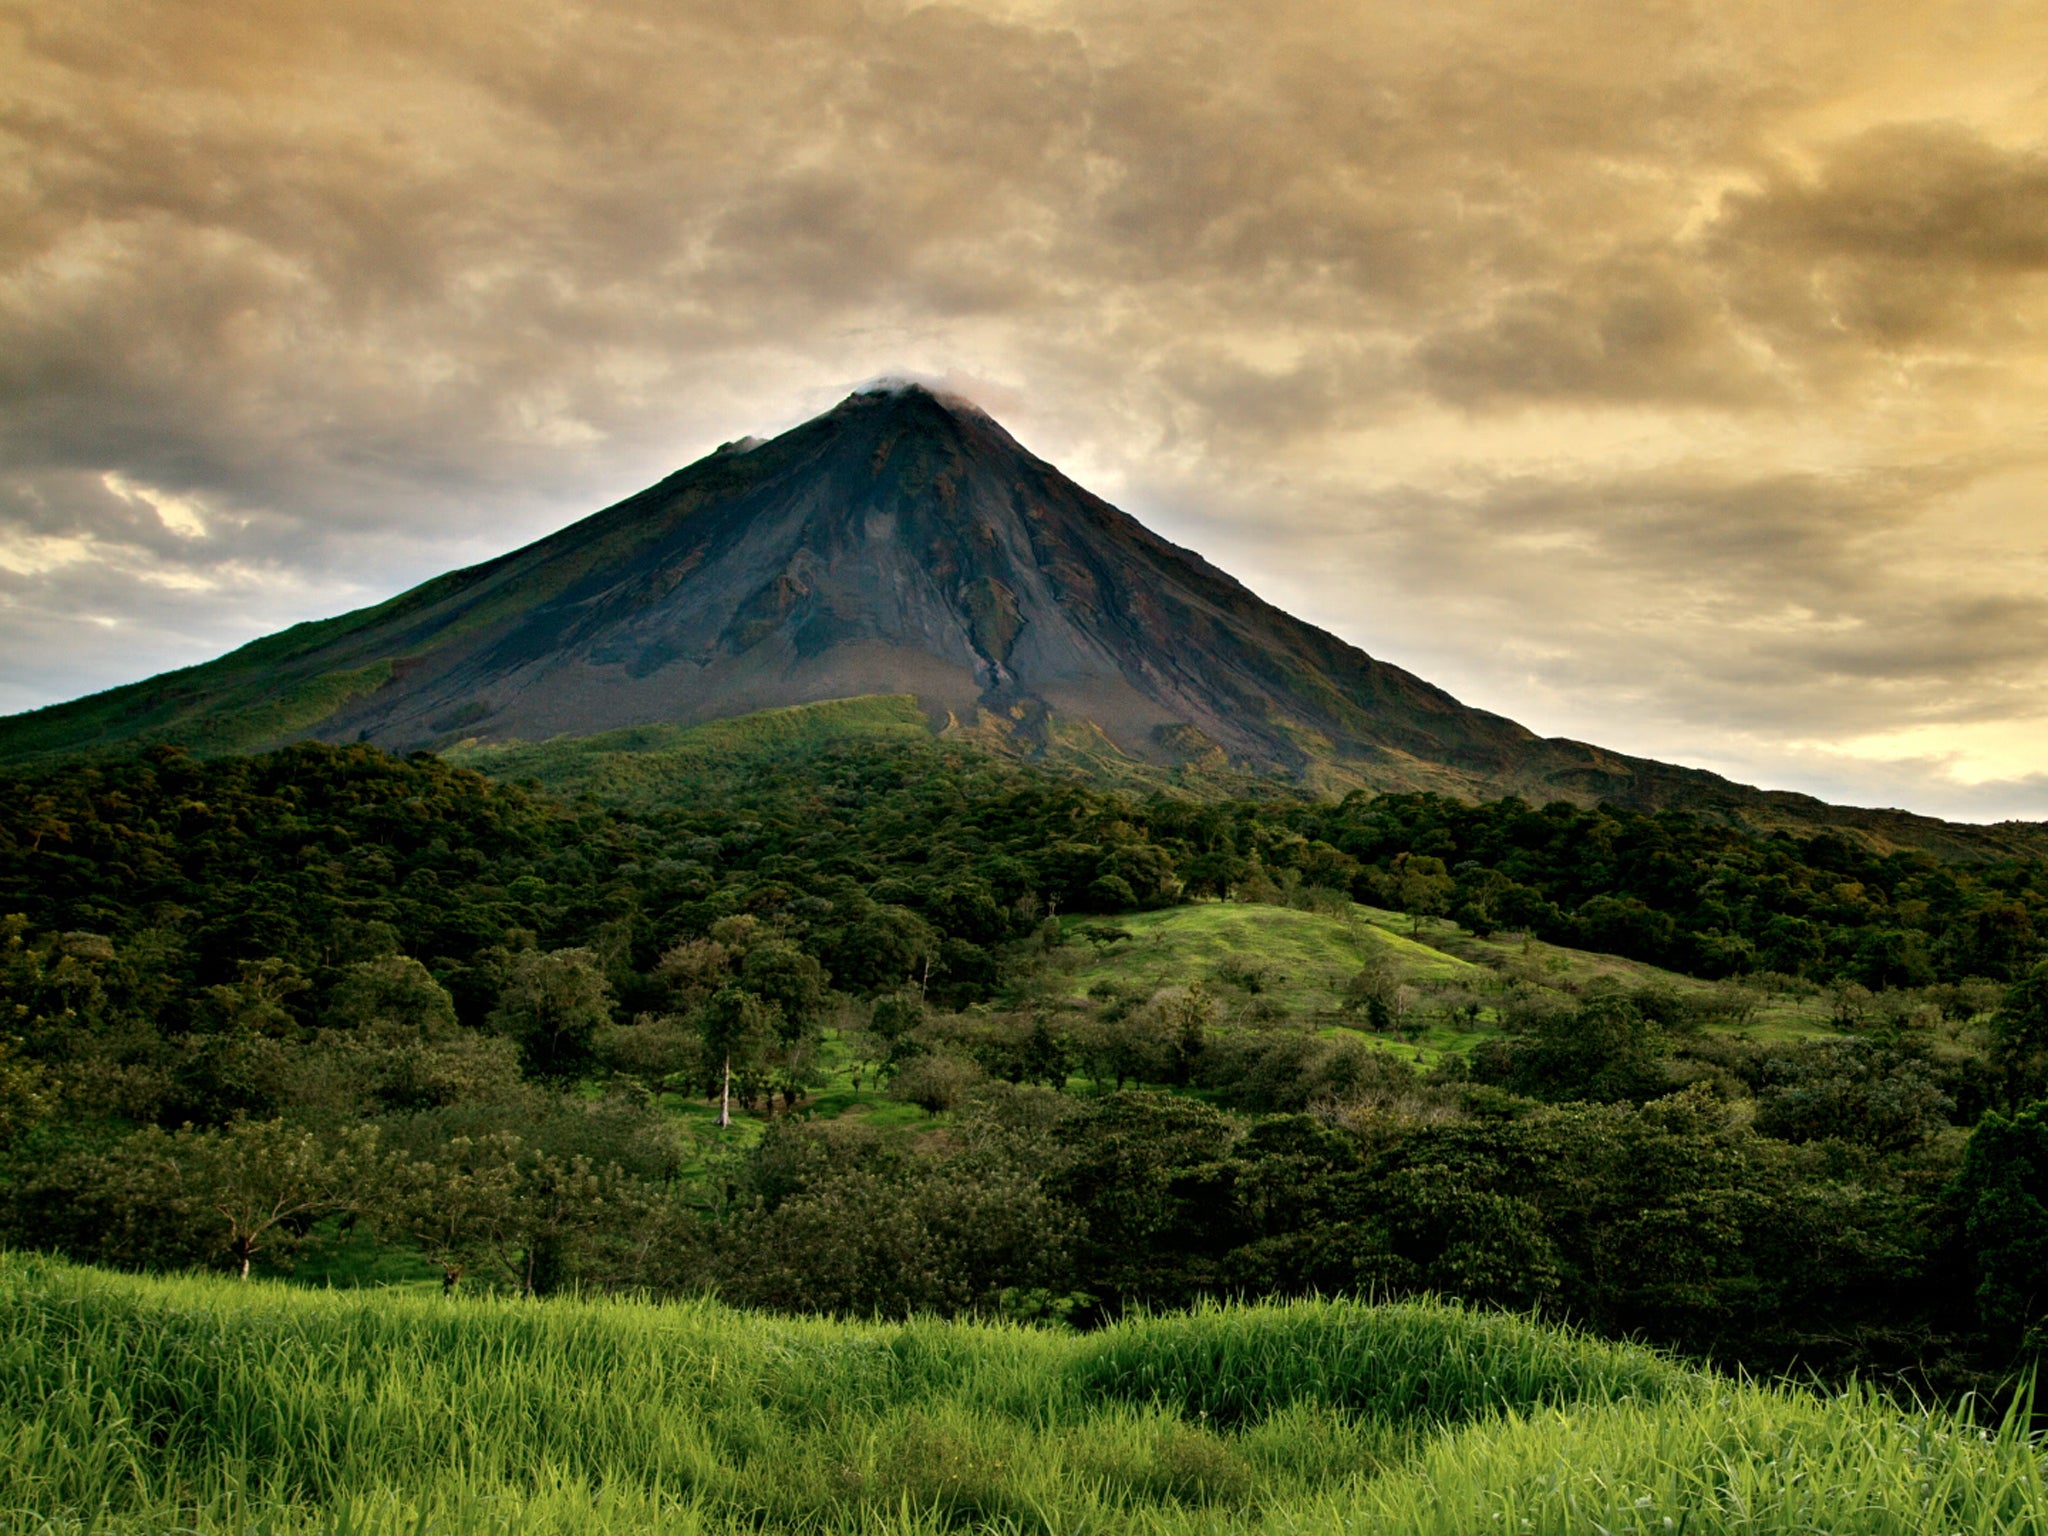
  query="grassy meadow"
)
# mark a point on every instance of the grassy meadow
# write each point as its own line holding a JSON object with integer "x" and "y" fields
{"x": 1293, "y": 962}
{"x": 133, "y": 1404}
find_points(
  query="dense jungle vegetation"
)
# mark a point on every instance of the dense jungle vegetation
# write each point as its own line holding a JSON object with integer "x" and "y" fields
{"x": 330, "y": 1012}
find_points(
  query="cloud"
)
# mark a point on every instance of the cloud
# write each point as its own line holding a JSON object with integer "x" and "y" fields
{"x": 1905, "y": 236}
{"x": 1776, "y": 627}
{"x": 1641, "y": 366}
{"x": 182, "y": 515}
{"x": 1642, "y": 328}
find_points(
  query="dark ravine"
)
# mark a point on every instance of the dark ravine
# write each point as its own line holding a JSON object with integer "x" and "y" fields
{"x": 903, "y": 542}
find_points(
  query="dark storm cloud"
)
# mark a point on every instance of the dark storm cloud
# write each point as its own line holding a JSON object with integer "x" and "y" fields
{"x": 1447, "y": 306}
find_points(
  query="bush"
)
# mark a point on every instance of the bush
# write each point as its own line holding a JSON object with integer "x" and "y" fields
{"x": 935, "y": 1083}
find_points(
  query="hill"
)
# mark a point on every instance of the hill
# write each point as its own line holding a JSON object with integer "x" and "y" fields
{"x": 1265, "y": 962}
{"x": 901, "y": 544}
{"x": 135, "y": 1405}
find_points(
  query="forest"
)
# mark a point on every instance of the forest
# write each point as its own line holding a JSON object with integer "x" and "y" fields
{"x": 331, "y": 1013}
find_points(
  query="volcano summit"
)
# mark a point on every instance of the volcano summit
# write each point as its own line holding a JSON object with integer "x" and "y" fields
{"x": 902, "y": 543}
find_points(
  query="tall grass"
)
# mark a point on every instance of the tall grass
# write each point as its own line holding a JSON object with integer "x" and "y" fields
{"x": 159, "y": 1405}
{"x": 1402, "y": 1363}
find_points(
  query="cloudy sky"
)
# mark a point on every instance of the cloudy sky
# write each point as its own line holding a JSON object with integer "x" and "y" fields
{"x": 1672, "y": 376}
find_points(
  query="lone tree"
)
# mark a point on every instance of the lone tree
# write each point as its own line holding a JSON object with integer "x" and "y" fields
{"x": 1425, "y": 887}
{"x": 740, "y": 1034}
{"x": 254, "y": 1186}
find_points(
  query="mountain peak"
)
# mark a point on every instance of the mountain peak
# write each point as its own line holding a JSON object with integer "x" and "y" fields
{"x": 904, "y": 398}
{"x": 902, "y": 543}
{"x": 903, "y": 388}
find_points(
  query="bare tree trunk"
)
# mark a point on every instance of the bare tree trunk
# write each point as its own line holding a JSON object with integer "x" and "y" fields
{"x": 725, "y": 1099}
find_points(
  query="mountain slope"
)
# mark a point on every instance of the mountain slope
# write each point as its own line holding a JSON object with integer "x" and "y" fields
{"x": 902, "y": 543}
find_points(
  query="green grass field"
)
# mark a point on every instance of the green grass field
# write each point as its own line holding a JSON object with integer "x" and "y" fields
{"x": 199, "y": 1405}
{"x": 1302, "y": 959}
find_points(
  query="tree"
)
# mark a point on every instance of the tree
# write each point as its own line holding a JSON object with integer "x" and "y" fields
{"x": 396, "y": 992}
{"x": 797, "y": 1067}
{"x": 532, "y": 1219}
{"x": 2003, "y": 1188}
{"x": 865, "y": 1050}
{"x": 693, "y": 970}
{"x": 791, "y": 981}
{"x": 1625, "y": 925}
{"x": 1892, "y": 957}
{"x": 740, "y": 1034}
{"x": 883, "y": 949}
{"x": 1603, "y": 1050}
{"x": 23, "y": 1096}
{"x": 1149, "y": 1176}
{"x": 1128, "y": 1046}
{"x": 462, "y": 1207}
{"x": 1472, "y": 1243}
{"x": 935, "y": 1083}
{"x": 1478, "y": 896}
{"x": 252, "y": 1187}
{"x": 1854, "y": 1091}
{"x": 2001, "y": 939}
{"x": 1048, "y": 1058}
{"x": 1425, "y": 886}
{"x": 395, "y": 1044}
{"x": 1185, "y": 1016}
{"x": 253, "y": 1003}
{"x": 653, "y": 1048}
{"x": 552, "y": 1004}
{"x": 464, "y": 1068}
{"x": 1376, "y": 988}
{"x": 899, "y": 1239}
{"x": 2019, "y": 1037}
{"x": 1137, "y": 874}
{"x": 896, "y": 1014}
{"x": 52, "y": 987}
{"x": 238, "y": 1061}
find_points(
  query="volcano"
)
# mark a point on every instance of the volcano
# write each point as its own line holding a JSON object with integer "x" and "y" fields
{"x": 902, "y": 543}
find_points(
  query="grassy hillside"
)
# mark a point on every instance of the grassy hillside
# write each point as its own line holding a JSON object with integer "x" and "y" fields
{"x": 130, "y": 1405}
{"x": 650, "y": 767}
{"x": 235, "y": 704}
{"x": 660, "y": 765}
{"x": 1264, "y": 960}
